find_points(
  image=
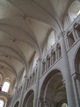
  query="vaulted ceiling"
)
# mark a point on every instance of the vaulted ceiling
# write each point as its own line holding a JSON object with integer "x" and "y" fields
{"x": 24, "y": 25}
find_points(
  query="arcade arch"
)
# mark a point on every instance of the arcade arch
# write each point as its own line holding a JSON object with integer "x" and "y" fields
{"x": 53, "y": 90}
{"x": 17, "y": 104}
{"x": 28, "y": 100}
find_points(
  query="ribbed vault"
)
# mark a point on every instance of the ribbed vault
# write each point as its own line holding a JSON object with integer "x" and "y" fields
{"x": 24, "y": 28}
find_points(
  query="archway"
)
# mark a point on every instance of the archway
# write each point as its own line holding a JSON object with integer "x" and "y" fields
{"x": 17, "y": 104}
{"x": 28, "y": 101}
{"x": 53, "y": 92}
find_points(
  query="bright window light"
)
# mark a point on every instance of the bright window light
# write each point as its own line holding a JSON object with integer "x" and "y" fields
{"x": 51, "y": 40}
{"x": 6, "y": 86}
{"x": 64, "y": 105}
{"x": 78, "y": 13}
{"x": 1, "y": 103}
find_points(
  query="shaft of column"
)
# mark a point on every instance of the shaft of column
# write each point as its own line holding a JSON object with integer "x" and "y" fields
{"x": 22, "y": 93}
{"x": 66, "y": 74}
{"x": 37, "y": 83}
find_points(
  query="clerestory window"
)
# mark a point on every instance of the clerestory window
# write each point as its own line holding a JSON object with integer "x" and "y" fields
{"x": 64, "y": 105}
{"x": 1, "y": 103}
{"x": 51, "y": 39}
{"x": 74, "y": 10}
{"x": 6, "y": 86}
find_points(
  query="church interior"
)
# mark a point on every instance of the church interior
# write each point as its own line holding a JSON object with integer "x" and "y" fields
{"x": 39, "y": 53}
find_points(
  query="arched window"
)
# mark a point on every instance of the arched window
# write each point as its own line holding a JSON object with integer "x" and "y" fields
{"x": 64, "y": 105}
{"x": 1, "y": 103}
{"x": 51, "y": 40}
{"x": 74, "y": 10}
{"x": 6, "y": 86}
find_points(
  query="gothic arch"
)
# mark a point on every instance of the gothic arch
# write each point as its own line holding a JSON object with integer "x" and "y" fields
{"x": 16, "y": 104}
{"x": 53, "y": 90}
{"x": 28, "y": 100}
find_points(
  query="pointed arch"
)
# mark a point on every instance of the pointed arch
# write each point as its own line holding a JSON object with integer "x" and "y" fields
{"x": 28, "y": 100}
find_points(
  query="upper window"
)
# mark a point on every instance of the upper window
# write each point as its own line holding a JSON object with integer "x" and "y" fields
{"x": 64, "y": 105}
{"x": 6, "y": 86}
{"x": 51, "y": 40}
{"x": 1, "y": 103}
{"x": 74, "y": 10}
{"x": 36, "y": 56}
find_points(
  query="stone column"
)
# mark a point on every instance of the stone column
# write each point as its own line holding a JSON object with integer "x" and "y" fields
{"x": 35, "y": 104}
{"x": 75, "y": 80}
{"x": 22, "y": 92}
{"x": 66, "y": 74}
{"x": 13, "y": 98}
